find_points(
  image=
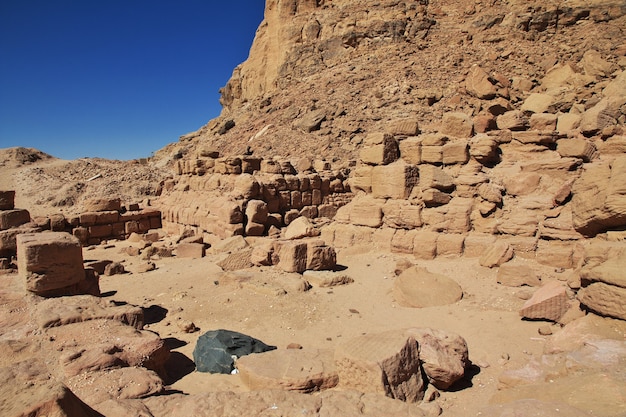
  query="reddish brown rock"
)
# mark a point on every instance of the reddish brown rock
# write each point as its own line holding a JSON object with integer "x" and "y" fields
{"x": 13, "y": 218}
{"x": 7, "y": 200}
{"x": 497, "y": 254}
{"x": 549, "y": 302}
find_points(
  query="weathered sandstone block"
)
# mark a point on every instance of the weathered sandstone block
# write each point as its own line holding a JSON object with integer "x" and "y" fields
{"x": 549, "y": 302}
{"x": 605, "y": 299}
{"x": 7, "y": 200}
{"x": 411, "y": 150}
{"x": 395, "y": 180}
{"x": 417, "y": 287}
{"x": 380, "y": 153}
{"x": 291, "y": 370}
{"x": 498, "y": 254}
{"x": 102, "y": 204}
{"x": 386, "y": 363}
{"x": 190, "y": 250}
{"x": 320, "y": 257}
{"x": 49, "y": 261}
{"x": 292, "y": 256}
{"x": 13, "y": 218}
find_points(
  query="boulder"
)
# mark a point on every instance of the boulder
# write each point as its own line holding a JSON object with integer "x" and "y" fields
{"x": 385, "y": 363}
{"x": 215, "y": 349}
{"x": 404, "y": 127}
{"x": 549, "y": 302}
{"x": 604, "y": 299}
{"x": 291, "y": 370}
{"x": 443, "y": 354}
{"x": 300, "y": 228}
{"x": 417, "y": 287}
{"x": 8, "y": 242}
{"x": 478, "y": 84}
{"x": 257, "y": 211}
{"x": 411, "y": 150}
{"x": 237, "y": 260}
{"x": 49, "y": 261}
{"x": 512, "y": 120}
{"x": 576, "y": 148}
{"x": 537, "y": 103}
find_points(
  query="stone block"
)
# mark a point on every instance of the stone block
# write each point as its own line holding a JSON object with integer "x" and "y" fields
{"x": 361, "y": 178}
{"x": 386, "y": 364}
{"x": 255, "y": 229}
{"x": 431, "y": 176}
{"x": 498, "y": 254}
{"x": 543, "y": 122}
{"x": 537, "y": 103}
{"x": 433, "y": 197}
{"x": 457, "y": 124}
{"x": 432, "y": 154}
{"x": 7, "y": 200}
{"x": 320, "y": 257}
{"x": 395, "y": 180}
{"x": 13, "y": 218}
{"x": 49, "y": 261}
{"x": 190, "y": 250}
{"x": 366, "y": 211}
{"x": 567, "y": 122}
{"x": 401, "y": 214}
{"x": 425, "y": 244}
{"x": 455, "y": 152}
{"x": 292, "y": 256}
{"x": 450, "y": 244}
{"x": 104, "y": 217}
{"x": 555, "y": 253}
{"x": 512, "y": 120}
{"x": 8, "y": 244}
{"x": 381, "y": 154}
{"x": 257, "y": 211}
{"x": 478, "y": 84}
{"x": 100, "y": 230}
{"x": 577, "y": 148}
{"x": 404, "y": 127}
{"x": 411, "y": 150}
{"x": 604, "y": 299}
{"x": 475, "y": 245}
{"x": 417, "y": 287}
{"x": 549, "y": 302}
{"x": 402, "y": 241}
{"x": 102, "y": 204}
{"x": 513, "y": 275}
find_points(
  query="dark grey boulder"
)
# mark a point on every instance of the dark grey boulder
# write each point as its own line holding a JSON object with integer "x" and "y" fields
{"x": 215, "y": 349}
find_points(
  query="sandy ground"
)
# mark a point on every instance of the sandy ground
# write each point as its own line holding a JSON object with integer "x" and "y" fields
{"x": 199, "y": 291}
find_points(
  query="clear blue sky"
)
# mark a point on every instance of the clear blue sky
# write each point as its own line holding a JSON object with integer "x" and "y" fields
{"x": 116, "y": 79}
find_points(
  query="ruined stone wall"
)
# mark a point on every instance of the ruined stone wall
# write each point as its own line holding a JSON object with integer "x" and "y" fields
{"x": 249, "y": 196}
{"x": 538, "y": 179}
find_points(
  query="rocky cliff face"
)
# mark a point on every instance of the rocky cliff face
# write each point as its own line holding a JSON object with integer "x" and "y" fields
{"x": 320, "y": 74}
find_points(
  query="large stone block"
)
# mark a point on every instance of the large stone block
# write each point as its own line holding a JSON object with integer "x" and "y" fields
{"x": 49, "y": 261}
{"x": 457, "y": 124}
{"x": 549, "y": 302}
{"x": 605, "y": 299}
{"x": 401, "y": 214}
{"x": 190, "y": 250}
{"x": 411, "y": 150}
{"x": 381, "y": 153}
{"x": 386, "y": 363}
{"x": 13, "y": 218}
{"x": 395, "y": 180}
{"x": 320, "y": 257}
{"x": 292, "y": 256}
{"x": 102, "y": 204}
{"x": 7, "y": 200}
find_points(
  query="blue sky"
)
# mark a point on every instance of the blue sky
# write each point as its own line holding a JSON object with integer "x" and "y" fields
{"x": 116, "y": 79}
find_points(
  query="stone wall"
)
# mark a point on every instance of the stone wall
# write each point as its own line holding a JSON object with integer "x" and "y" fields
{"x": 249, "y": 196}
